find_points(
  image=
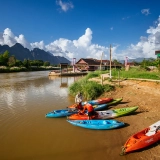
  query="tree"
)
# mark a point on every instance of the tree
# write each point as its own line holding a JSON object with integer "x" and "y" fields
{"x": 2, "y": 60}
{"x": 116, "y": 62}
{"x": 11, "y": 61}
{"x": 26, "y": 63}
{"x": 5, "y": 57}
{"x": 36, "y": 63}
{"x": 46, "y": 63}
{"x": 19, "y": 63}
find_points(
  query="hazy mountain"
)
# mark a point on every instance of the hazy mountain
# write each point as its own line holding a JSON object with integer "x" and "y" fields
{"x": 22, "y": 53}
{"x": 136, "y": 60}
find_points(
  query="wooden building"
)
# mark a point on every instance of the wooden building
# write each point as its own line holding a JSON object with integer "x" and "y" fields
{"x": 90, "y": 64}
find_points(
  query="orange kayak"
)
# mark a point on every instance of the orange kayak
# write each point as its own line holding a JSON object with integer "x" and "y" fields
{"x": 95, "y": 102}
{"x": 107, "y": 114}
{"x": 142, "y": 139}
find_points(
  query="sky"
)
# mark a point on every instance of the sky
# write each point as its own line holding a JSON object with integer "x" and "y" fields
{"x": 83, "y": 28}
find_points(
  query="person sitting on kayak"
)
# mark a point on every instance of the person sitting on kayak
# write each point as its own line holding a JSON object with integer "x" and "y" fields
{"x": 78, "y": 101}
{"x": 90, "y": 110}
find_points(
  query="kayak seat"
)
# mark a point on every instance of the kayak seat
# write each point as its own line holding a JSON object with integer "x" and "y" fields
{"x": 152, "y": 131}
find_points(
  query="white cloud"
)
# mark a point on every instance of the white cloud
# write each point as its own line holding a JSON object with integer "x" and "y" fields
{"x": 22, "y": 41}
{"x": 145, "y": 12}
{"x": 64, "y": 5}
{"x": 84, "y": 48}
{"x": 40, "y": 45}
{"x": 84, "y": 40}
{"x": 80, "y": 48}
{"x": 10, "y": 39}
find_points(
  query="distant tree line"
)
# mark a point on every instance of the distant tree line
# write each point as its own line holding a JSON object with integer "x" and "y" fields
{"x": 11, "y": 64}
{"x": 10, "y": 61}
{"x": 151, "y": 62}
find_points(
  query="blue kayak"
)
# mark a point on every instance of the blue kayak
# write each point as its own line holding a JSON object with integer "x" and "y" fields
{"x": 97, "y": 124}
{"x": 66, "y": 112}
{"x": 60, "y": 113}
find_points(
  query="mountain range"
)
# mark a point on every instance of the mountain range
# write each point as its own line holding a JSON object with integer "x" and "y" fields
{"x": 22, "y": 53}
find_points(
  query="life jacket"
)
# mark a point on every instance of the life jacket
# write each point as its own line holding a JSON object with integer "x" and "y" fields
{"x": 79, "y": 106}
{"x": 89, "y": 107}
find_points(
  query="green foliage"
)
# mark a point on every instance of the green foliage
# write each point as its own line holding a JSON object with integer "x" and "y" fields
{"x": 36, "y": 63}
{"x": 89, "y": 89}
{"x": 6, "y": 54}
{"x": 150, "y": 62}
{"x": 4, "y": 58}
{"x": 94, "y": 74}
{"x": 19, "y": 63}
{"x": 11, "y": 61}
{"x": 26, "y": 63}
{"x": 136, "y": 72}
{"x": 1, "y": 60}
{"x": 46, "y": 63}
{"x": 108, "y": 88}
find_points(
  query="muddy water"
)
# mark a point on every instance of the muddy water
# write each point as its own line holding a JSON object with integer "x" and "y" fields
{"x": 25, "y": 133}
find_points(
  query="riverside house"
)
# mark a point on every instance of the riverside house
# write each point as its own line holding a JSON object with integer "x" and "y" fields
{"x": 90, "y": 64}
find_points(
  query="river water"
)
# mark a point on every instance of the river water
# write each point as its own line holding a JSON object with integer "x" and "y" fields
{"x": 25, "y": 132}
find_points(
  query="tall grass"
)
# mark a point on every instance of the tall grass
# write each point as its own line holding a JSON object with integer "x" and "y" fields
{"x": 89, "y": 89}
{"x": 92, "y": 90}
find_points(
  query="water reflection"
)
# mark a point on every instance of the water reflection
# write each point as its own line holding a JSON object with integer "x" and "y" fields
{"x": 25, "y": 133}
{"x": 65, "y": 81}
{"x": 20, "y": 89}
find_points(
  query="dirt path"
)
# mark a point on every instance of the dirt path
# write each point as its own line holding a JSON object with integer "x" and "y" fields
{"x": 146, "y": 95}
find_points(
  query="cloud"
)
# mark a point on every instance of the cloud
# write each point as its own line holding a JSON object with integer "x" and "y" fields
{"x": 10, "y": 39}
{"x": 145, "y": 12}
{"x": 80, "y": 48}
{"x": 64, "y": 5}
{"x": 39, "y": 45}
{"x": 83, "y": 46}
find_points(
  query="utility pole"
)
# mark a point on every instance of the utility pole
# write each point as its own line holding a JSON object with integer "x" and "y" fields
{"x": 110, "y": 61}
{"x": 101, "y": 62}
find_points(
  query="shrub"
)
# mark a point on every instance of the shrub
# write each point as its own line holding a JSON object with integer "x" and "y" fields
{"x": 89, "y": 89}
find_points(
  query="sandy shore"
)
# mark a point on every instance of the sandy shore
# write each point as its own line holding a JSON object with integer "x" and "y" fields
{"x": 145, "y": 95}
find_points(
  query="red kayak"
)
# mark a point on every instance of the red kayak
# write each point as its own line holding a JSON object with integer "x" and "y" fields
{"x": 142, "y": 139}
{"x": 95, "y": 102}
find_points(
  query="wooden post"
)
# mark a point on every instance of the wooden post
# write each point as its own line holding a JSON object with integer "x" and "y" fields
{"x": 110, "y": 62}
{"x": 102, "y": 80}
{"x": 101, "y": 62}
{"x": 118, "y": 79}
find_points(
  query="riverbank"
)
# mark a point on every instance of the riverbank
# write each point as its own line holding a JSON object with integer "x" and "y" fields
{"x": 144, "y": 94}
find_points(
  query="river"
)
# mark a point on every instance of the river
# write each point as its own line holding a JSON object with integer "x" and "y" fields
{"x": 25, "y": 132}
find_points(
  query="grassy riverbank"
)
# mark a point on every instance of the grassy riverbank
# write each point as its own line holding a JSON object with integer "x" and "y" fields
{"x": 93, "y": 89}
{"x": 135, "y": 73}
{"x": 6, "y": 69}
{"x": 89, "y": 89}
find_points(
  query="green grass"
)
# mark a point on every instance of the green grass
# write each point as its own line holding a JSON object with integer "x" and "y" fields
{"x": 92, "y": 90}
{"x": 94, "y": 74}
{"x": 89, "y": 89}
{"x": 136, "y": 73}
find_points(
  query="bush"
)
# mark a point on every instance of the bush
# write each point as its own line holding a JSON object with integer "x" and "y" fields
{"x": 89, "y": 89}
{"x": 94, "y": 74}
